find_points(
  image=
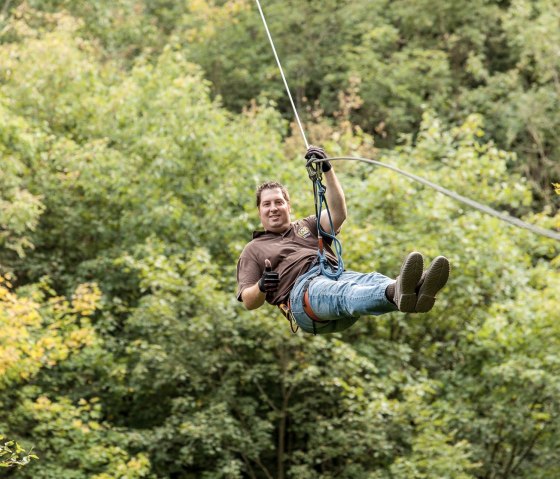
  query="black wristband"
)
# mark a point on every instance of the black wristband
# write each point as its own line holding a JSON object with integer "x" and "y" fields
{"x": 326, "y": 166}
{"x": 261, "y": 286}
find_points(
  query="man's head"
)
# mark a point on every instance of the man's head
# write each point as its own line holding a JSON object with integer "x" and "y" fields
{"x": 273, "y": 202}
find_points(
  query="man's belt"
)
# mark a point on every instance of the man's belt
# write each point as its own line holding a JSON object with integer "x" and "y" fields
{"x": 286, "y": 309}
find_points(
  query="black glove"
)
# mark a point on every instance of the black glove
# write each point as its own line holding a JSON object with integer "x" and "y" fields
{"x": 269, "y": 280}
{"x": 320, "y": 154}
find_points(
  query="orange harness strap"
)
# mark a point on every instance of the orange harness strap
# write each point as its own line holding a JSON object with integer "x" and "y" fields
{"x": 286, "y": 310}
{"x": 307, "y": 307}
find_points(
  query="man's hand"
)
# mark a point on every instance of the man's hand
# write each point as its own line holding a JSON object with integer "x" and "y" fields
{"x": 320, "y": 154}
{"x": 269, "y": 280}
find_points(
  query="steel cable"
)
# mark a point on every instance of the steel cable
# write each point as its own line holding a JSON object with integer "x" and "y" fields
{"x": 463, "y": 199}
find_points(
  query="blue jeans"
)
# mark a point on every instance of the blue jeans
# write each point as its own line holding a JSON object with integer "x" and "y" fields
{"x": 339, "y": 303}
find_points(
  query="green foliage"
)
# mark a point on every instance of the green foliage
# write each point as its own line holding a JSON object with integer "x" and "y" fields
{"x": 12, "y": 454}
{"x": 70, "y": 434}
{"x": 39, "y": 333}
{"x": 19, "y": 209}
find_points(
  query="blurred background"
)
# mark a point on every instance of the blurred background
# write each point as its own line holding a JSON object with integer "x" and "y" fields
{"x": 133, "y": 134}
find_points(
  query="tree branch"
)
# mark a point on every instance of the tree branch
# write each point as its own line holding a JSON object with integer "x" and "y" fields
{"x": 527, "y": 450}
{"x": 266, "y": 398}
{"x": 507, "y": 470}
{"x": 249, "y": 468}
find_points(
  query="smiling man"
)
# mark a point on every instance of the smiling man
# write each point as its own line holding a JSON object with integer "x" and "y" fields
{"x": 280, "y": 266}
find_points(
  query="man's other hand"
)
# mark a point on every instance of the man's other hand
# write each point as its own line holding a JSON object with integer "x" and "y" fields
{"x": 269, "y": 280}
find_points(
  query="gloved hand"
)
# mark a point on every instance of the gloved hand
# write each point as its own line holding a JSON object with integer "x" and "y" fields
{"x": 320, "y": 154}
{"x": 269, "y": 280}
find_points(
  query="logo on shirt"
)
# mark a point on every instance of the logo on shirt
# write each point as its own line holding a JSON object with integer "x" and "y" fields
{"x": 303, "y": 232}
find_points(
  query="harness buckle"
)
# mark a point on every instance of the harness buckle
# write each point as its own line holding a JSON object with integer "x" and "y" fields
{"x": 286, "y": 310}
{"x": 314, "y": 170}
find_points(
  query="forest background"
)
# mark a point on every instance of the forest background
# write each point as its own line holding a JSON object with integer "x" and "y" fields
{"x": 132, "y": 136}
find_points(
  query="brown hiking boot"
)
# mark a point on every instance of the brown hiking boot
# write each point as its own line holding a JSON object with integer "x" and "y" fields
{"x": 405, "y": 287}
{"x": 433, "y": 279}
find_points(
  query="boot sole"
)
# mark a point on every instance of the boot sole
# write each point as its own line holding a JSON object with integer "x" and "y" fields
{"x": 411, "y": 272}
{"x": 435, "y": 279}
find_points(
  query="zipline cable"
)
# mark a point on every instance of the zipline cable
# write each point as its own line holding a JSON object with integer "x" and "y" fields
{"x": 282, "y": 73}
{"x": 485, "y": 209}
{"x": 463, "y": 199}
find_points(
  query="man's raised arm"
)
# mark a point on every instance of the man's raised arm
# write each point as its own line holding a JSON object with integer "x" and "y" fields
{"x": 334, "y": 192}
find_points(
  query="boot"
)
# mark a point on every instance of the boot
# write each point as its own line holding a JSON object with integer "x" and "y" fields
{"x": 432, "y": 280}
{"x": 405, "y": 287}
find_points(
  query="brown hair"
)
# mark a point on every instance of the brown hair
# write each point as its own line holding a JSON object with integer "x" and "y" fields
{"x": 271, "y": 185}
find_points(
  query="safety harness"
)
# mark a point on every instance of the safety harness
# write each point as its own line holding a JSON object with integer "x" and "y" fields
{"x": 314, "y": 170}
{"x": 286, "y": 309}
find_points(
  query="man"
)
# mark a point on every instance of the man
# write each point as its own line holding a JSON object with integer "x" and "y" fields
{"x": 280, "y": 266}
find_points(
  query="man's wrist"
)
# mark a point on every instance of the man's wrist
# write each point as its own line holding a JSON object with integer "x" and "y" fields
{"x": 261, "y": 287}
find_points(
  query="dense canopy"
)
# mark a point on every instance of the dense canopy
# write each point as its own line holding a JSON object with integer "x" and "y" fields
{"x": 132, "y": 137}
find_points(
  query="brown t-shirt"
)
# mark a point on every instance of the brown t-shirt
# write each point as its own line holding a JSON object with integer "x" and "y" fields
{"x": 290, "y": 253}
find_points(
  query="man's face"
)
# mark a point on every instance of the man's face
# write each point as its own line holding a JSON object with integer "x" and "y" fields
{"x": 274, "y": 211}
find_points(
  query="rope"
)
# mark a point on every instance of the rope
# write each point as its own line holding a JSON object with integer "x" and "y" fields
{"x": 320, "y": 199}
{"x": 475, "y": 204}
{"x": 282, "y": 73}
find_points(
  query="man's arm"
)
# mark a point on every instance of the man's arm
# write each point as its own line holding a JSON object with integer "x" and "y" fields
{"x": 253, "y": 297}
{"x": 336, "y": 202}
{"x": 334, "y": 193}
